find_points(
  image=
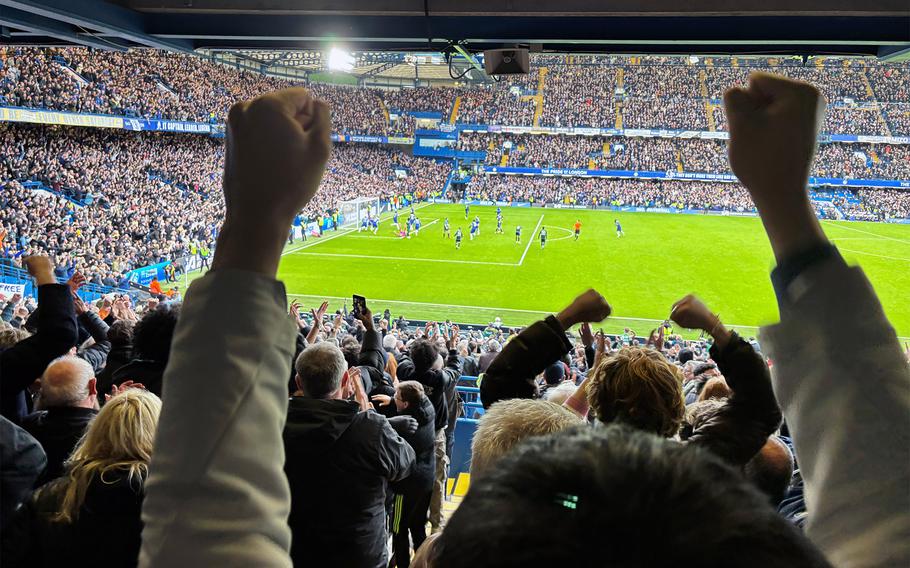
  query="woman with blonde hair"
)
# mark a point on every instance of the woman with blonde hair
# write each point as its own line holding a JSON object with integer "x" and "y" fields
{"x": 91, "y": 515}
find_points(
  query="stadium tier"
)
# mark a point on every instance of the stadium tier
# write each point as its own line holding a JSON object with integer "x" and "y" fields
{"x": 864, "y": 97}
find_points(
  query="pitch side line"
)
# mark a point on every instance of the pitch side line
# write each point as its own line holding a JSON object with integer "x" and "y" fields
{"x": 531, "y": 240}
{"x": 868, "y": 233}
{"x": 307, "y": 245}
{"x": 455, "y": 261}
{"x": 876, "y": 255}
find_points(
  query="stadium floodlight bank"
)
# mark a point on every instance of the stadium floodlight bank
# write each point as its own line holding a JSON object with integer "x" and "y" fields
{"x": 355, "y": 210}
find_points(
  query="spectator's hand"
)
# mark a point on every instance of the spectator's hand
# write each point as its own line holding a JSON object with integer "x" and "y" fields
{"x": 22, "y": 313}
{"x": 318, "y": 314}
{"x": 587, "y": 336}
{"x": 41, "y": 269}
{"x": 16, "y": 298}
{"x": 277, "y": 148}
{"x": 774, "y": 125}
{"x": 692, "y": 313}
{"x": 588, "y": 307}
{"x": 336, "y": 324}
{"x": 366, "y": 318}
{"x": 79, "y": 305}
{"x": 115, "y": 390}
{"x": 404, "y": 425}
{"x": 381, "y": 399}
{"x": 357, "y": 385}
{"x": 76, "y": 281}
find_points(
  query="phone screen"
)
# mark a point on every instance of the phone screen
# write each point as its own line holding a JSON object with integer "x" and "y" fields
{"x": 359, "y": 304}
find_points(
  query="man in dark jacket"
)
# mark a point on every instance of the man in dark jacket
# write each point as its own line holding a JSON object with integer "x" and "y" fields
{"x": 412, "y": 494}
{"x": 56, "y": 334}
{"x": 439, "y": 383}
{"x": 339, "y": 460}
{"x": 67, "y": 403}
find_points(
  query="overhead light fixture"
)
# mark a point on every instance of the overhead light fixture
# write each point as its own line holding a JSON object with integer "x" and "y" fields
{"x": 340, "y": 60}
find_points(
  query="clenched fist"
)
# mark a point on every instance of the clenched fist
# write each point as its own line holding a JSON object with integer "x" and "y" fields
{"x": 277, "y": 148}
{"x": 589, "y": 307}
{"x": 774, "y": 124}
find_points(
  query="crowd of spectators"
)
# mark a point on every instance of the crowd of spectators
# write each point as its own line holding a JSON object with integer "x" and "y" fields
{"x": 153, "y": 197}
{"x": 326, "y": 436}
{"x": 855, "y": 161}
{"x": 579, "y": 95}
{"x": 655, "y": 92}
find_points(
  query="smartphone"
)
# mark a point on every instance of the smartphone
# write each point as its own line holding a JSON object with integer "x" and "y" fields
{"x": 359, "y": 304}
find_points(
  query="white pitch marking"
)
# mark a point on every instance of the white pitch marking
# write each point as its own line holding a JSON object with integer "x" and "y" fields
{"x": 455, "y": 261}
{"x": 868, "y": 233}
{"x": 530, "y": 240}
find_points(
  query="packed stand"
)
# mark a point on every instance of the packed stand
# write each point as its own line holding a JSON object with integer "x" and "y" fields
{"x": 120, "y": 201}
{"x": 579, "y": 95}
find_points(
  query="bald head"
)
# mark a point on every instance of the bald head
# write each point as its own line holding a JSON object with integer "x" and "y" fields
{"x": 68, "y": 381}
{"x": 771, "y": 469}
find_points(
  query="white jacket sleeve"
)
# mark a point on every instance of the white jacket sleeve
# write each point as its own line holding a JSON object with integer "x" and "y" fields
{"x": 844, "y": 388}
{"x": 217, "y": 494}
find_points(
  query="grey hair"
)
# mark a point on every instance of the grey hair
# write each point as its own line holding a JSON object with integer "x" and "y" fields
{"x": 493, "y": 346}
{"x": 321, "y": 368}
{"x": 389, "y": 342}
{"x": 65, "y": 382}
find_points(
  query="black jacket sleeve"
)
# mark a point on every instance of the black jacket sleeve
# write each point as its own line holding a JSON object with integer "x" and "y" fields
{"x": 25, "y": 361}
{"x": 741, "y": 427}
{"x": 512, "y": 372}
{"x": 395, "y": 455}
{"x": 590, "y": 355}
{"x": 95, "y": 354}
{"x": 371, "y": 352}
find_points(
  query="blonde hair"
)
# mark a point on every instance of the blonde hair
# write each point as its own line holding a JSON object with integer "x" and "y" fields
{"x": 509, "y": 422}
{"x": 638, "y": 387}
{"x": 119, "y": 439}
{"x": 716, "y": 387}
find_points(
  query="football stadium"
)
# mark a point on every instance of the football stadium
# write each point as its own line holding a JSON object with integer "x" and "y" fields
{"x": 295, "y": 284}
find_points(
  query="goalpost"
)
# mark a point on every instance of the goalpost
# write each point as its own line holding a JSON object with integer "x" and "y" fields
{"x": 355, "y": 210}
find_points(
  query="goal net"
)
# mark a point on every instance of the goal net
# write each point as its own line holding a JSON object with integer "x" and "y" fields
{"x": 355, "y": 210}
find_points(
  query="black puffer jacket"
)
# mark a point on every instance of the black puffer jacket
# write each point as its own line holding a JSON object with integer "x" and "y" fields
{"x": 423, "y": 442}
{"x": 339, "y": 462}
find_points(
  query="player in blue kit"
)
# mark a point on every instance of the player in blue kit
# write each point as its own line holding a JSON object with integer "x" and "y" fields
{"x": 619, "y": 232}
{"x": 467, "y": 210}
{"x": 473, "y": 230}
{"x": 416, "y": 225}
{"x": 395, "y": 220}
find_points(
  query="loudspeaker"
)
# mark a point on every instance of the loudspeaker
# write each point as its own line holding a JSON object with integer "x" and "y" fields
{"x": 506, "y": 61}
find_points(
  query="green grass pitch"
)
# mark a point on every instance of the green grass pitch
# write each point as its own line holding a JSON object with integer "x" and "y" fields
{"x": 662, "y": 257}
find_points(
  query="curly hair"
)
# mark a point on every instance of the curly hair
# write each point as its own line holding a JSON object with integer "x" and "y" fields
{"x": 638, "y": 387}
{"x": 153, "y": 334}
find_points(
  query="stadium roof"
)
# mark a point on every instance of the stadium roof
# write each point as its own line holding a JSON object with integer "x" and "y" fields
{"x": 806, "y": 27}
